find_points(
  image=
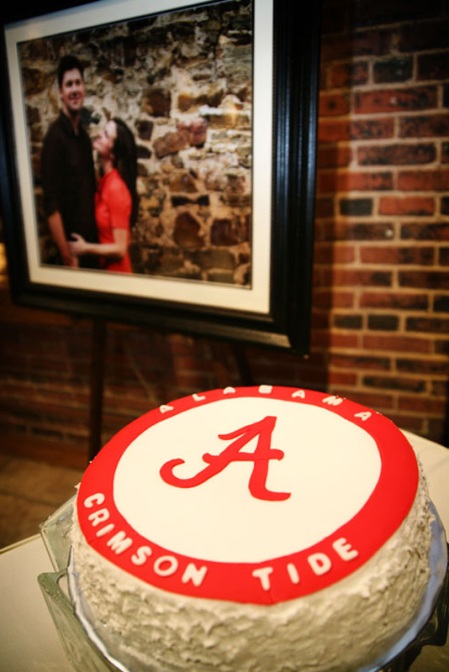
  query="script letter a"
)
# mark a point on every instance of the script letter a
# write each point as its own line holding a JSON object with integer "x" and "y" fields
{"x": 260, "y": 457}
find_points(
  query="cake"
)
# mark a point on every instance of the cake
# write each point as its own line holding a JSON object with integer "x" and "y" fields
{"x": 254, "y": 529}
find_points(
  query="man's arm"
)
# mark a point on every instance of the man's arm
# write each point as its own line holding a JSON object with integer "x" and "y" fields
{"x": 115, "y": 250}
{"x": 57, "y": 232}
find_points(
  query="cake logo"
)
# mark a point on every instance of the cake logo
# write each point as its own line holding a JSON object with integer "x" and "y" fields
{"x": 197, "y": 498}
{"x": 239, "y": 438}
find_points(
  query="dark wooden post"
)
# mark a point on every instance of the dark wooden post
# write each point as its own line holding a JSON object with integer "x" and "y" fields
{"x": 98, "y": 356}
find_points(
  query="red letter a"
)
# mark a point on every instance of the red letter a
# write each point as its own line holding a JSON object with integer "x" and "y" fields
{"x": 261, "y": 456}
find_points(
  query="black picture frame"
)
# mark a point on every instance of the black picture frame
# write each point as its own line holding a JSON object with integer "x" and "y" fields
{"x": 293, "y": 89}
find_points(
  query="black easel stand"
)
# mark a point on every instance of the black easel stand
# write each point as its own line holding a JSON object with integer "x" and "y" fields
{"x": 98, "y": 355}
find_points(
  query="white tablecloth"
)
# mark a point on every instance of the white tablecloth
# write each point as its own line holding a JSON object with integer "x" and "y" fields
{"x": 29, "y": 641}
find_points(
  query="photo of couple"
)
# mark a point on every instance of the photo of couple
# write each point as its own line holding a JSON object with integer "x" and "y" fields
{"x": 140, "y": 140}
{"x": 90, "y": 224}
{"x": 167, "y": 174}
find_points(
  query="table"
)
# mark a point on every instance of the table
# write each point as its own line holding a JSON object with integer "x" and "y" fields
{"x": 29, "y": 641}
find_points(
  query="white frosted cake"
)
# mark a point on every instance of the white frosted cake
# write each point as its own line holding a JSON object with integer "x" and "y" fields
{"x": 262, "y": 529}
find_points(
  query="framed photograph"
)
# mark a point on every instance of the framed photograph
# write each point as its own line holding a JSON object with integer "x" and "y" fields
{"x": 157, "y": 163}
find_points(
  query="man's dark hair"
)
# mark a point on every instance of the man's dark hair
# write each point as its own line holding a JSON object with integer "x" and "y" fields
{"x": 67, "y": 63}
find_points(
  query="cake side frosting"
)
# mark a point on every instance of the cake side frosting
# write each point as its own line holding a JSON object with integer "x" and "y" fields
{"x": 148, "y": 628}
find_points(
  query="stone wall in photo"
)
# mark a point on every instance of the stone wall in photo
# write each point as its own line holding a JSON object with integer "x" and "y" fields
{"x": 182, "y": 81}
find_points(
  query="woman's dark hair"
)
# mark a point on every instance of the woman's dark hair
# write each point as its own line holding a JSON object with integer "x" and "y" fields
{"x": 125, "y": 160}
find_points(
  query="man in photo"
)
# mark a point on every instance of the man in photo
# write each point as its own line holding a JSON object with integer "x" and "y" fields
{"x": 68, "y": 174}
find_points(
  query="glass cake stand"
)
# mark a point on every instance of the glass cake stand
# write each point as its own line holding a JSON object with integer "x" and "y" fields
{"x": 80, "y": 651}
{"x": 85, "y": 656}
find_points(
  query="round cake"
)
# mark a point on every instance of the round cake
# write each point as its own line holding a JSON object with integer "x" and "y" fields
{"x": 262, "y": 529}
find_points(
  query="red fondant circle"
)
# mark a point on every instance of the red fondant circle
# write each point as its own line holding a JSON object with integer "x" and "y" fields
{"x": 276, "y": 580}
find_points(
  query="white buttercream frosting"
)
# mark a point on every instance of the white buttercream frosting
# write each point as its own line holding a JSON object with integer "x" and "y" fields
{"x": 343, "y": 628}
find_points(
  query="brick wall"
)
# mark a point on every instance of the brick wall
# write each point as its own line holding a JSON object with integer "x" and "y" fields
{"x": 382, "y": 230}
{"x": 381, "y": 283}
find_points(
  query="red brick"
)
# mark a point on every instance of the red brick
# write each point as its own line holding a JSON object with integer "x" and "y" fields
{"x": 356, "y": 207}
{"x": 438, "y": 388}
{"x": 354, "y": 181}
{"x": 372, "y": 129}
{"x": 434, "y": 325}
{"x": 320, "y": 340}
{"x": 395, "y": 300}
{"x": 360, "y": 362}
{"x": 423, "y": 180}
{"x": 333, "y": 104}
{"x": 346, "y": 230}
{"x": 395, "y": 383}
{"x": 424, "y": 279}
{"x": 396, "y": 100}
{"x": 430, "y": 126}
{"x": 394, "y": 343}
{"x": 396, "y": 154}
{"x": 355, "y": 278}
{"x": 324, "y": 207}
{"x": 342, "y": 378}
{"x": 421, "y": 404}
{"x": 425, "y": 231}
{"x": 389, "y": 254}
{"x": 394, "y": 69}
{"x": 428, "y": 366}
{"x": 443, "y": 256}
{"x": 445, "y": 152}
{"x": 328, "y": 298}
{"x": 344, "y": 340}
{"x": 410, "y": 205}
{"x": 348, "y": 321}
{"x": 347, "y": 74}
{"x": 383, "y": 322}
{"x": 333, "y": 131}
{"x": 325, "y": 253}
{"x": 334, "y": 156}
{"x": 320, "y": 320}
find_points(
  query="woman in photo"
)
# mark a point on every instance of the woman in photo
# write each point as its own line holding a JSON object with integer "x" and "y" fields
{"x": 115, "y": 199}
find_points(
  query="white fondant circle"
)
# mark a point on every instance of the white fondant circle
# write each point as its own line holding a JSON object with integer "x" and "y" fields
{"x": 330, "y": 468}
